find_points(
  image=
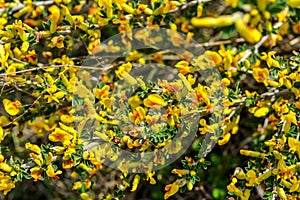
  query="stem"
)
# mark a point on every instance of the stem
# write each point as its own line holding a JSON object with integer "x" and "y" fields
{"x": 189, "y": 4}
{"x": 258, "y": 45}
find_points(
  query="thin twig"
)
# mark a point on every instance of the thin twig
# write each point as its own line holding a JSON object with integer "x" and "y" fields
{"x": 217, "y": 43}
{"x": 188, "y": 5}
{"x": 52, "y": 66}
{"x": 258, "y": 45}
{"x": 21, "y": 5}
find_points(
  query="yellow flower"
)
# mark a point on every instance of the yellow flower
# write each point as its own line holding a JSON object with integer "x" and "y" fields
{"x": 251, "y": 178}
{"x": 59, "y": 135}
{"x": 250, "y": 153}
{"x": 12, "y": 107}
{"x": 68, "y": 164}
{"x": 58, "y": 42}
{"x": 289, "y": 119}
{"x": 225, "y": 139}
{"x": 77, "y": 185}
{"x": 6, "y": 183}
{"x": 260, "y": 75}
{"x": 225, "y": 20}
{"x": 36, "y": 173}
{"x": 251, "y": 35}
{"x": 54, "y": 17}
{"x": 134, "y": 101}
{"x": 294, "y": 3}
{"x": 33, "y": 147}
{"x": 56, "y": 96}
{"x": 137, "y": 115}
{"x": 85, "y": 196}
{"x": 123, "y": 69}
{"x": 51, "y": 173}
{"x": 5, "y": 167}
{"x": 296, "y": 184}
{"x": 150, "y": 177}
{"x": 180, "y": 172}
{"x": 154, "y": 100}
{"x": 202, "y": 93}
{"x": 38, "y": 159}
{"x": 171, "y": 189}
{"x": 135, "y": 182}
{"x": 294, "y": 145}
{"x": 171, "y": 87}
{"x": 259, "y": 111}
{"x": 296, "y": 28}
{"x": 102, "y": 93}
{"x": 184, "y": 67}
{"x": 232, "y": 3}
{"x": 1, "y": 134}
{"x": 232, "y": 188}
{"x": 212, "y": 58}
{"x": 268, "y": 58}
{"x": 173, "y": 114}
{"x": 67, "y": 118}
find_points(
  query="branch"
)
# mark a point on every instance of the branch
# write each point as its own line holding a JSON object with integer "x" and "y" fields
{"x": 189, "y": 4}
{"x": 21, "y": 5}
{"x": 258, "y": 45}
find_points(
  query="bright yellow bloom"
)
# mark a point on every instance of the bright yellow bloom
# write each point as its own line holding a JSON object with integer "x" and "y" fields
{"x": 251, "y": 178}
{"x": 102, "y": 93}
{"x": 36, "y": 173}
{"x": 58, "y": 42}
{"x": 173, "y": 114}
{"x": 171, "y": 87}
{"x": 268, "y": 58}
{"x": 260, "y": 110}
{"x": 225, "y": 20}
{"x": 33, "y": 147}
{"x": 150, "y": 177}
{"x": 12, "y": 107}
{"x": 202, "y": 93}
{"x": 154, "y": 100}
{"x": 180, "y": 172}
{"x": 85, "y": 196}
{"x": 68, "y": 164}
{"x": 294, "y": 3}
{"x": 1, "y": 134}
{"x": 171, "y": 189}
{"x": 134, "y": 101}
{"x": 51, "y": 173}
{"x": 135, "y": 182}
{"x": 250, "y": 153}
{"x": 138, "y": 115}
{"x": 6, "y": 183}
{"x": 54, "y": 17}
{"x": 296, "y": 28}
{"x": 294, "y": 145}
{"x": 289, "y": 119}
{"x": 54, "y": 97}
{"x": 5, "y": 167}
{"x": 232, "y": 3}
{"x": 77, "y": 185}
{"x": 59, "y": 135}
{"x": 123, "y": 69}
{"x": 184, "y": 67}
{"x": 260, "y": 75}
{"x": 251, "y": 35}
{"x": 225, "y": 138}
{"x": 232, "y": 188}
{"x": 212, "y": 58}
